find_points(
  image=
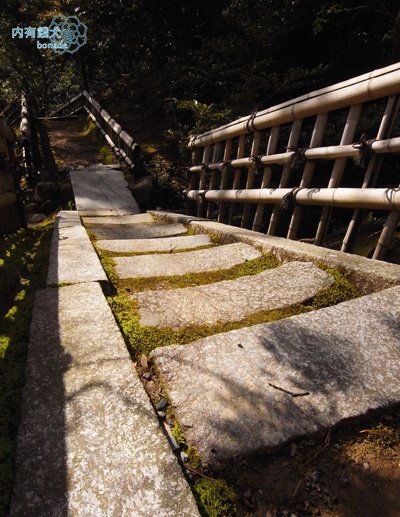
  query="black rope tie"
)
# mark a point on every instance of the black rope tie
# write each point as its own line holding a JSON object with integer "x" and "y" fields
{"x": 257, "y": 163}
{"x": 365, "y": 151}
{"x": 298, "y": 158}
{"x": 289, "y": 200}
{"x": 250, "y": 122}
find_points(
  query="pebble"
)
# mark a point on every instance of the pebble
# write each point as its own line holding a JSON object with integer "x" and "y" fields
{"x": 315, "y": 476}
{"x": 343, "y": 480}
{"x": 366, "y": 466}
{"x": 161, "y": 414}
{"x": 147, "y": 376}
{"x": 162, "y": 405}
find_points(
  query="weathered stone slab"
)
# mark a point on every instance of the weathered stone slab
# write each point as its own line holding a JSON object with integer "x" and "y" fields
{"x": 100, "y": 188}
{"x": 155, "y": 245}
{"x": 89, "y": 441}
{"x": 220, "y": 257}
{"x": 140, "y": 231}
{"x": 341, "y": 362}
{"x": 232, "y": 300}
{"x": 66, "y": 218}
{"x": 367, "y": 274}
{"x": 117, "y": 220}
{"x": 73, "y": 258}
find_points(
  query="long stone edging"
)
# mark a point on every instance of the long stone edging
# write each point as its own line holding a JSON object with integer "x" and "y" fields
{"x": 368, "y": 275}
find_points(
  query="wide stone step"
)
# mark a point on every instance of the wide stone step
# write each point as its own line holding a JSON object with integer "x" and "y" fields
{"x": 220, "y": 257}
{"x": 99, "y": 190}
{"x": 72, "y": 256}
{"x": 117, "y": 220}
{"x": 140, "y": 231}
{"x": 89, "y": 441}
{"x": 155, "y": 245}
{"x": 252, "y": 389}
{"x": 232, "y": 300}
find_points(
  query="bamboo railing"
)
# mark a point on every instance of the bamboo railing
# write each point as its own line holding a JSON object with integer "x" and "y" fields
{"x": 120, "y": 142}
{"x": 11, "y": 210}
{"x": 263, "y": 170}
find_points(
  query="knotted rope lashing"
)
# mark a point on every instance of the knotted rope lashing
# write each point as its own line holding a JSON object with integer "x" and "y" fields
{"x": 258, "y": 163}
{"x": 289, "y": 200}
{"x": 298, "y": 158}
{"x": 364, "y": 148}
{"x": 227, "y": 166}
{"x": 250, "y": 122}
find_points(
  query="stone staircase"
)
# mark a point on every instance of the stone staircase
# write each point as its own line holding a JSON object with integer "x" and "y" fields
{"x": 88, "y": 427}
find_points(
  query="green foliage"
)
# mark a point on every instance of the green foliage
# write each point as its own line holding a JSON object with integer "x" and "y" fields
{"x": 216, "y": 497}
{"x": 23, "y": 268}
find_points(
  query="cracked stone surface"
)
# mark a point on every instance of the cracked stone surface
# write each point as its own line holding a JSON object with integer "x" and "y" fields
{"x": 100, "y": 190}
{"x": 89, "y": 441}
{"x": 155, "y": 245}
{"x": 232, "y": 300}
{"x": 219, "y": 257}
{"x": 140, "y": 231}
{"x": 117, "y": 220}
{"x": 222, "y": 387}
{"x": 72, "y": 257}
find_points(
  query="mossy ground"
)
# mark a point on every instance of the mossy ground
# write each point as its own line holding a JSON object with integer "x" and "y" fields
{"x": 23, "y": 269}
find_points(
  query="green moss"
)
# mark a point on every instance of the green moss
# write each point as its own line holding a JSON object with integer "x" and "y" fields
{"x": 22, "y": 255}
{"x": 341, "y": 291}
{"x": 106, "y": 155}
{"x": 216, "y": 497}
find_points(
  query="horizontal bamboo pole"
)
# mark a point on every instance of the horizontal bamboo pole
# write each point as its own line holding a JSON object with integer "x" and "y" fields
{"x": 370, "y": 86}
{"x": 8, "y": 199}
{"x": 391, "y": 145}
{"x": 373, "y": 198}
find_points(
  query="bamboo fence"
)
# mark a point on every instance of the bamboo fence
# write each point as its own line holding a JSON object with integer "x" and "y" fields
{"x": 262, "y": 170}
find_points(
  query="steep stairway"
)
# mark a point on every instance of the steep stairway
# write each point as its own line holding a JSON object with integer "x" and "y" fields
{"x": 233, "y": 393}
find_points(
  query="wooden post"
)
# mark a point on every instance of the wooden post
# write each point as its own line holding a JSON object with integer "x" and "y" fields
{"x": 224, "y": 179}
{"x": 386, "y": 237}
{"x": 293, "y": 140}
{"x": 203, "y": 180}
{"x": 316, "y": 139}
{"x": 338, "y": 169}
{"x": 213, "y": 179}
{"x": 271, "y": 148}
{"x": 250, "y": 176}
{"x": 371, "y": 174}
{"x": 237, "y": 174}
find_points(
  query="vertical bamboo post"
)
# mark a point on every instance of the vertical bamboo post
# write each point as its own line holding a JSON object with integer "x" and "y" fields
{"x": 224, "y": 179}
{"x": 237, "y": 174}
{"x": 293, "y": 140}
{"x": 316, "y": 139}
{"x": 193, "y": 182}
{"x": 338, "y": 169}
{"x": 271, "y": 148}
{"x": 250, "y": 176}
{"x": 213, "y": 179}
{"x": 371, "y": 174}
{"x": 386, "y": 236}
{"x": 203, "y": 180}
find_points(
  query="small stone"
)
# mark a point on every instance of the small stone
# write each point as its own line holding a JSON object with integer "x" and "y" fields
{"x": 171, "y": 438}
{"x": 162, "y": 405}
{"x": 184, "y": 457}
{"x": 147, "y": 376}
{"x": 144, "y": 363}
{"x": 343, "y": 480}
{"x": 366, "y": 466}
{"x": 315, "y": 476}
{"x": 161, "y": 414}
{"x": 293, "y": 449}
